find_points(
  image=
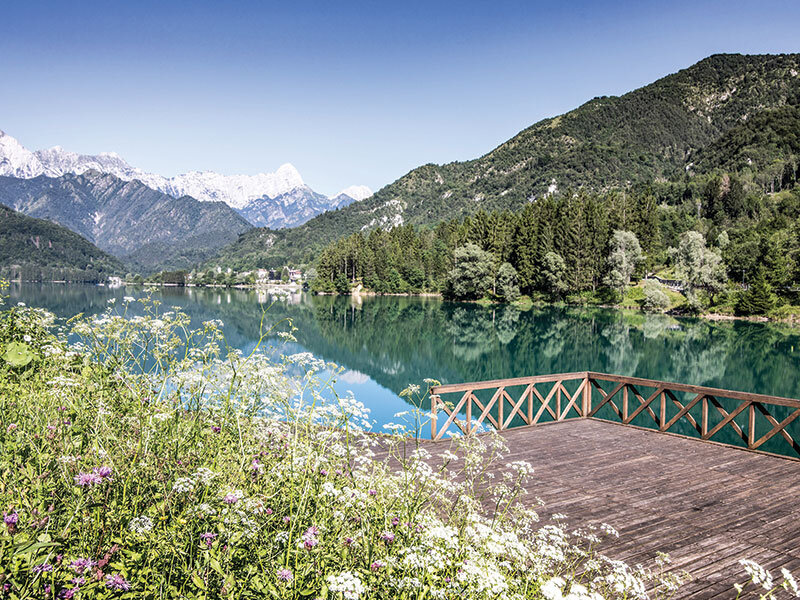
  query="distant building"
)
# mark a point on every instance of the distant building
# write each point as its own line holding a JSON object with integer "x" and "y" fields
{"x": 114, "y": 281}
{"x": 295, "y": 274}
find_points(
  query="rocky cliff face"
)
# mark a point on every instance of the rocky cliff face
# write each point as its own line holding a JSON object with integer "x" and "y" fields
{"x": 122, "y": 217}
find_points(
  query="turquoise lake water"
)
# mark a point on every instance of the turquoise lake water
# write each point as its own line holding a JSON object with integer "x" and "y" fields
{"x": 385, "y": 343}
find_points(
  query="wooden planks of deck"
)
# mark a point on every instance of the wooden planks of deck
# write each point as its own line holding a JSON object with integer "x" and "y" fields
{"x": 706, "y": 505}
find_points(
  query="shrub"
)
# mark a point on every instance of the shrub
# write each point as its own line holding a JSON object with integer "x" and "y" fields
{"x": 655, "y": 298}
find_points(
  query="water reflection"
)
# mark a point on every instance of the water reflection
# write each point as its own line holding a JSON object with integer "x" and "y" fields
{"x": 386, "y": 343}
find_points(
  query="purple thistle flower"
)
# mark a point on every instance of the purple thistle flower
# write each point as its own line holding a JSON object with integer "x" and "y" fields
{"x": 230, "y": 499}
{"x": 87, "y": 479}
{"x": 310, "y": 537}
{"x": 104, "y": 472}
{"x": 208, "y": 538}
{"x": 117, "y": 582}
{"x": 10, "y": 519}
{"x": 42, "y": 568}
{"x": 285, "y": 575}
{"x": 216, "y": 429}
{"x": 373, "y": 493}
{"x": 388, "y": 537}
{"x": 82, "y": 565}
{"x": 395, "y": 522}
{"x": 348, "y": 541}
{"x": 377, "y": 565}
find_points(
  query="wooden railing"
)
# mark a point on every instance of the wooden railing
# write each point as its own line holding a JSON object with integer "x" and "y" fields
{"x": 705, "y": 413}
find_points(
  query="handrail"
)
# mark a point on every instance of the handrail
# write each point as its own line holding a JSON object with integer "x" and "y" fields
{"x": 561, "y": 404}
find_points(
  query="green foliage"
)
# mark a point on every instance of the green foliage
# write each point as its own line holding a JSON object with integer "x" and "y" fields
{"x": 699, "y": 265}
{"x": 507, "y": 286}
{"x": 18, "y": 354}
{"x": 758, "y": 299}
{"x": 655, "y": 298}
{"x": 471, "y": 277}
{"x": 38, "y": 250}
{"x": 553, "y": 275}
{"x": 341, "y": 284}
{"x": 625, "y": 254}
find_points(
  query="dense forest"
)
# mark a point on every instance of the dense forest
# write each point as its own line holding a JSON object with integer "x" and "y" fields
{"x": 724, "y": 241}
{"x": 39, "y": 250}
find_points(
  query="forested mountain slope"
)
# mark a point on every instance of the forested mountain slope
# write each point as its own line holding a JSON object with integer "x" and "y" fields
{"x": 648, "y": 135}
{"x": 39, "y": 249}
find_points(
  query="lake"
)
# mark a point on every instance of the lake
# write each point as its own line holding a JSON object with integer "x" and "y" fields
{"x": 385, "y": 343}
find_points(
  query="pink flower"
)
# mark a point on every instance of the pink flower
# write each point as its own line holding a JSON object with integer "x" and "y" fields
{"x": 388, "y": 537}
{"x": 117, "y": 582}
{"x": 285, "y": 575}
{"x": 104, "y": 472}
{"x": 377, "y": 565}
{"x": 87, "y": 479}
{"x": 310, "y": 537}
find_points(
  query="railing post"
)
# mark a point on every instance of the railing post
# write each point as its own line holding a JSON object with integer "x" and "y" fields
{"x": 587, "y": 397}
{"x": 625, "y": 403}
{"x": 558, "y": 400}
{"x": 530, "y": 404}
{"x": 469, "y": 414}
{"x": 434, "y": 407}
{"x": 500, "y": 418}
{"x": 751, "y": 425}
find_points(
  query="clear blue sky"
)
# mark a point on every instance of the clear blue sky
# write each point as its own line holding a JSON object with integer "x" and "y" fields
{"x": 349, "y": 92}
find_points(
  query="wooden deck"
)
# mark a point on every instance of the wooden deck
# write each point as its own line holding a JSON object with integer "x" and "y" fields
{"x": 705, "y": 504}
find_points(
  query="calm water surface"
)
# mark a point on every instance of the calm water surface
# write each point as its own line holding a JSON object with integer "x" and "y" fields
{"x": 386, "y": 343}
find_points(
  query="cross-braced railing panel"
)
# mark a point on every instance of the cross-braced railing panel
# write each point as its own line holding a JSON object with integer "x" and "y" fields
{"x": 469, "y": 408}
{"x": 754, "y": 421}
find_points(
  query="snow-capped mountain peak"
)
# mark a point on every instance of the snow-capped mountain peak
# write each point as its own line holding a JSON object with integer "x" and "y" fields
{"x": 248, "y": 194}
{"x": 16, "y": 160}
{"x": 356, "y": 192}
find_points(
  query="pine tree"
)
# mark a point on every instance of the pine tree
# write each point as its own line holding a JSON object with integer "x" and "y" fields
{"x": 758, "y": 299}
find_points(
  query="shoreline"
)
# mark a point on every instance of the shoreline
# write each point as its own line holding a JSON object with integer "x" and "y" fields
{"x": 791, "y": 320}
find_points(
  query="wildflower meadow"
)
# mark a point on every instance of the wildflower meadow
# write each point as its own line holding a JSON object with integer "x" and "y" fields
{"x": 143, "y": 458}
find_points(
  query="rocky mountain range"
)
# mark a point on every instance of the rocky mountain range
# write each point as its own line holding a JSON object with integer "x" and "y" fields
{"x": 276, "y": 200}
{"x": 127, "y": 218}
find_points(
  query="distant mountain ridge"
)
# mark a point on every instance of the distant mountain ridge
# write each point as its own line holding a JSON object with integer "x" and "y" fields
{"x": 650, "y": 134}
{"x": 33, "y": 248}
{"x": 279, "y": 199}
{"x": 127, "y": 218}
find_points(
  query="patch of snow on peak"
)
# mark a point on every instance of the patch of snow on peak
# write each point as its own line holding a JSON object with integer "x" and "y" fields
{"x": 356, "y": 192}
{"x": 16, "y": 160}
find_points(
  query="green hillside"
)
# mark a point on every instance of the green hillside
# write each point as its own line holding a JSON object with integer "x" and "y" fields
{"x": 36, "y": 249}
{"x": 652, "y": 134}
